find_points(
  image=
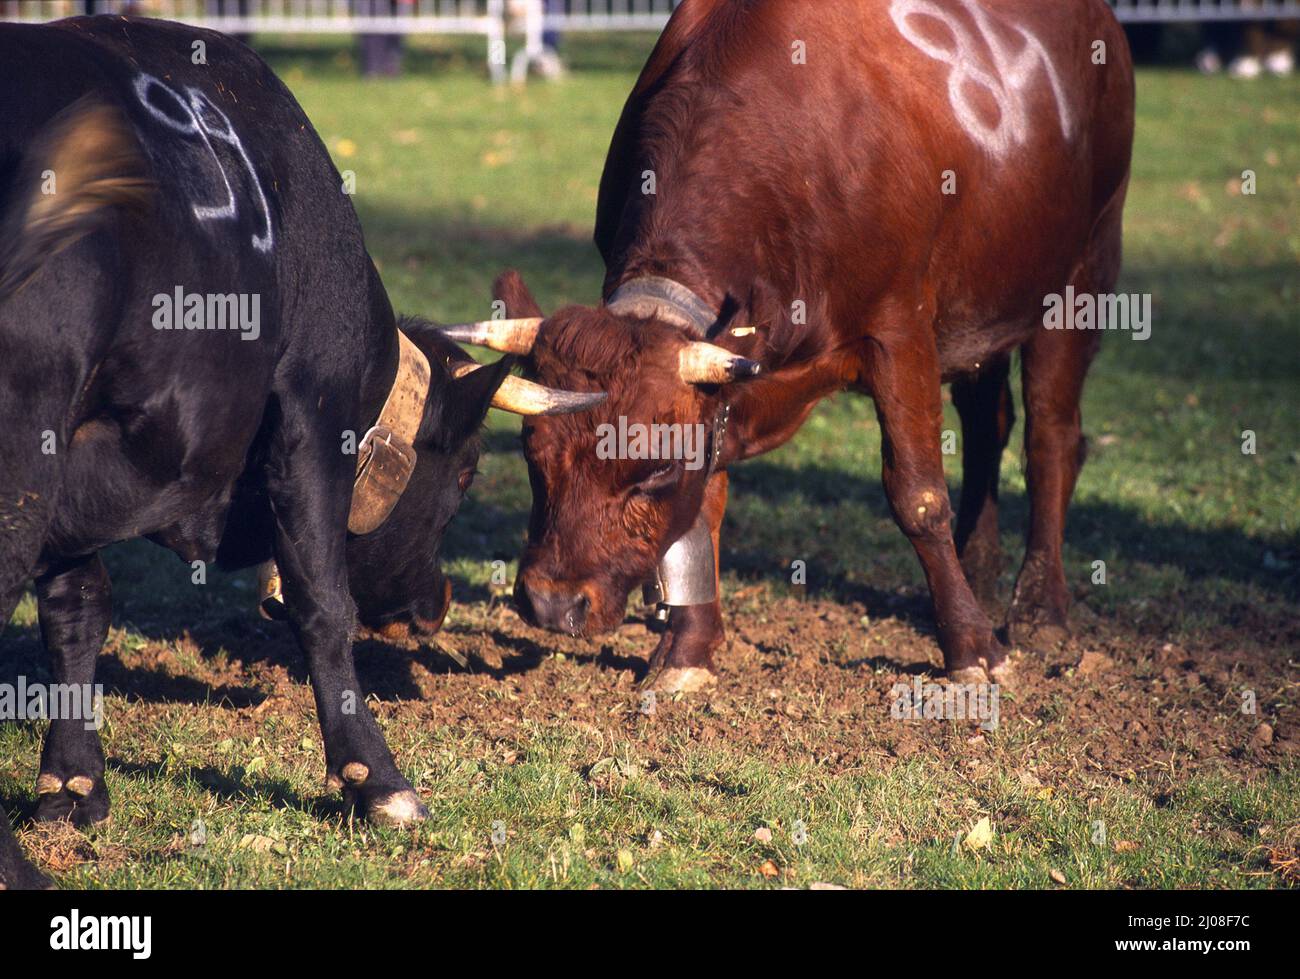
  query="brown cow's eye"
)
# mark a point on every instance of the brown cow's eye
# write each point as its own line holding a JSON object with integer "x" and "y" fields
{"x": 466, "y": 479}
{"x": 658, "y": 479}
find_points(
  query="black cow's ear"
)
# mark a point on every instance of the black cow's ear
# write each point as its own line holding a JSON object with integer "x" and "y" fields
{"x": 509, "y": 289}
{"x": 468, "y": 399}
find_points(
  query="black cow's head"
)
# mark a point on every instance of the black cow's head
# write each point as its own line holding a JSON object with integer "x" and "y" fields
{"x": 601, "y": 519}
{"x": 394, "y": 571}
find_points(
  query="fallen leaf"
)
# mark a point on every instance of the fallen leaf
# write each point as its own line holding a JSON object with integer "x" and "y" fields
{"x": 769, "y": 869}
{"x": 763, "y": 834}
{"x": 1056, "y": 875}
{"x": 1094, "y": 663}
{"x": 980, "y": 835}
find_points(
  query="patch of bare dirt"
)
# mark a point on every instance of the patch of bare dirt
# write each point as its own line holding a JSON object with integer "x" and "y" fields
{"x": 807, "y": 680}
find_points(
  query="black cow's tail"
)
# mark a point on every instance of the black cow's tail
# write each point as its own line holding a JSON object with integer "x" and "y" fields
{"x": 82, "y": 167}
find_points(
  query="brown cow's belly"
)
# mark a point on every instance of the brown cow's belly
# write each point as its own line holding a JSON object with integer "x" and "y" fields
{"x": 968, "y": 349}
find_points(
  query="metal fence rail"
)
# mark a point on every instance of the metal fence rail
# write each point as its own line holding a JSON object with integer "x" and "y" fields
{"x": 485, "y": 17}
{"x": 636, "y": 15}
{"x": 492, "y": 19}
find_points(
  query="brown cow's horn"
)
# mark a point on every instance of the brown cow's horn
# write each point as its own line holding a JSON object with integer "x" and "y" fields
{"x": 507, "y": 336}
{"x": 704, "y": 363}
{"x": 523, "y": 397}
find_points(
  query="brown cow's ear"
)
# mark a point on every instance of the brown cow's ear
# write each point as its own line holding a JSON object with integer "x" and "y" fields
{"x": 509, "y": 288}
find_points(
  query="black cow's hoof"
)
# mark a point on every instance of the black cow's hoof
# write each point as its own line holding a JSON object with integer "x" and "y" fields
{"x": 402, "y": 808}
{"x": 392, "y": 804}
{"x": 80, "y": 799}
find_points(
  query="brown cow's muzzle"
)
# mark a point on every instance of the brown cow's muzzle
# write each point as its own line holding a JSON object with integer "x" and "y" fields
{"x": 574, "y": 608}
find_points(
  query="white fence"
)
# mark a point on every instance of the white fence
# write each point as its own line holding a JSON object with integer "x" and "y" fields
{"x": 635, "y": 15}
{"x": 492, "y": 19}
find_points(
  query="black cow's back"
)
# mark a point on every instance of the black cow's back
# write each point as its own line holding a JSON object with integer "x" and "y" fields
{"x": 245, "y": 203}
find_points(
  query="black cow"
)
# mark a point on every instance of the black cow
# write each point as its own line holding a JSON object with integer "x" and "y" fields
{"x": 136, "y": 186}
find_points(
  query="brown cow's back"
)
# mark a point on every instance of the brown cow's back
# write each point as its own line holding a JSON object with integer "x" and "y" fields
{"x": 802, "y": 151}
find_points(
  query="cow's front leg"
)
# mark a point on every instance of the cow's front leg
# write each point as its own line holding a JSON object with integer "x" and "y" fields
{"x": 905, "y": 382}
{"x": 683, "y": 660}
{"x": 74, "y": 604}
{"x": 310, "y": 498}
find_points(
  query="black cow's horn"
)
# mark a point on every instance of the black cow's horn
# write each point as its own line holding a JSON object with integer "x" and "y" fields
{"x": 522, "y": 397}
{"x": 705, "y": 363}
{"x": 507, "y": 336}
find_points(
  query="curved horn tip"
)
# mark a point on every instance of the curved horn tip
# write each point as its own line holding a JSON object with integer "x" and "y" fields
{"x": 507, "y": 336}
{"x": 522, "y": 397}
{"x": 461, "y": 332}
{"x": 706, "y": 363}
{"x": 572, "y": 402}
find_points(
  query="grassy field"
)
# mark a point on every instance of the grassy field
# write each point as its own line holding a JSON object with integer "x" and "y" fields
{"x": 1123, "y": 760}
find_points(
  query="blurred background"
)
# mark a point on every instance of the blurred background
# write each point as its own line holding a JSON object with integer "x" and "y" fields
{"x": 473, "y": 134}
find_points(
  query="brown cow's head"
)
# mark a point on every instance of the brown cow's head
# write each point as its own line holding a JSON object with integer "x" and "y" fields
{"x": 601, "y": 521}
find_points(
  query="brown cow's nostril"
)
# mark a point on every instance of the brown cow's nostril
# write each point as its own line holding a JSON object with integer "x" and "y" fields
{"x": 557, "y": 611}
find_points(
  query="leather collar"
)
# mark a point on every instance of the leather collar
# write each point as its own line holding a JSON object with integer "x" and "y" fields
{"x": 386, "y": 455}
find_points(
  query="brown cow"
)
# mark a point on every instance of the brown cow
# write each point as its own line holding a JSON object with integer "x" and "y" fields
{"x": 867, "y": 194}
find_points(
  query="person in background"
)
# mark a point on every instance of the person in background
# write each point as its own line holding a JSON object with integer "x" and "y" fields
{"x": 550, "y": 65}
{"x": 1248, "y": 50}
{"x": 381, "y": 54}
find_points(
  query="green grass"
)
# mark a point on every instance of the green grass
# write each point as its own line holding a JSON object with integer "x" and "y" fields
{"x": 458, "y": 180}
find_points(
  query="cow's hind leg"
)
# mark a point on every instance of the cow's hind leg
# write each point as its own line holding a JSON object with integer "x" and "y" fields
{"x": 987, "y": 416}
{"x": 905, "y": 383}
{"x": 1055, "y": 364}
{"x": 310, "y": 496}
{"x": 75, "y": 606}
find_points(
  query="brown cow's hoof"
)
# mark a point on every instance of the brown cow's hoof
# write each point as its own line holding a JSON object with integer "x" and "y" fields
{"x": 969, "y": 675}
{"x": 1037, "y": 637}
{"x": 399, "y": 809}
{"x": 691, "y": 679}
{"x": 1003, "y": 673}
